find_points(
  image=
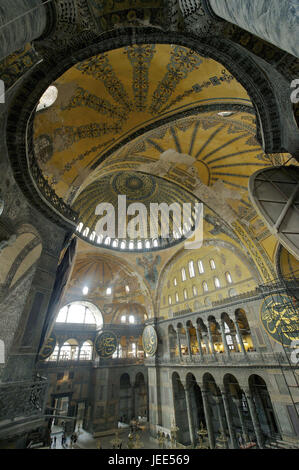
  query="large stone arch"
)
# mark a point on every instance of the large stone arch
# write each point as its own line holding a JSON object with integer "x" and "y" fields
{"x": 238, "y": 61}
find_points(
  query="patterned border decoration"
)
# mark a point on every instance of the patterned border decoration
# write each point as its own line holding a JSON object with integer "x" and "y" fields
{"x": 140, "y": 57}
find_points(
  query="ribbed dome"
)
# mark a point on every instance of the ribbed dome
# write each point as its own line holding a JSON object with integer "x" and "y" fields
{"x": 138, "y": 188}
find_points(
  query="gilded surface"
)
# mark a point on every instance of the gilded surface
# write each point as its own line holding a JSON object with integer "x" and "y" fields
{"x": 279, "y": 316}
{"x": 149, "y": 340}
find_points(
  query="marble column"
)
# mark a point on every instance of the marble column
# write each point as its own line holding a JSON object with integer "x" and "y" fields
{"x": 238, "y": 404}
{"x": 21, "y": 21}
{"x": 208, "y": 418}
{"x": 275, "y": 21}
{"x": 240, "y": 339}
{"x": 188, "y": 342}
{"x": 179, "y": 344}
{"x": 223, "y": 335}
{"x": 189, "y": 414}
{"x": 199, "y": 343}
{"x": 255, "y": 419}
{"x": 229, "y": 419}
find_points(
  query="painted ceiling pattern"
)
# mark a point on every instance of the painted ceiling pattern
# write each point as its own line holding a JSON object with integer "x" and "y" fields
{"x": 108, "y": 98}
{"x": 111, "y": 13}
{"x": 100, "y": 271}
{"x": 138, "y": 188}
{"x": 157, "y": 112}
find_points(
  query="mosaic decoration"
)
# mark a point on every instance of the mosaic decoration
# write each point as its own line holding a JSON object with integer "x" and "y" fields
{"x": 106, "y": 344}
{"x": 198, "y": 87}
{"x": 140, "y": 57}
{"x": 83, "y": 98}
{"x": 182, "y": 62}
{"x": 149, "y": 264}
{"x": 48, "y": 347}
{"x": 100, "y": 69}
{"x": 113, "y": 13}
{"x": 149, "y": 340}
{"x": 279, "y": 316}
{"x": 66, "y": 136}
{"x": 136, "y": 186}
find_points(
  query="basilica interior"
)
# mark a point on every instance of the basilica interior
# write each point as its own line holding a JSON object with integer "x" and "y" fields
{"x": 134, "y": 336}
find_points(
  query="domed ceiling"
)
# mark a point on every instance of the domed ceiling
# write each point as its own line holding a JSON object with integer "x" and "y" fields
{"x": 138, "y": 188}
{"x": 106, "y": 100}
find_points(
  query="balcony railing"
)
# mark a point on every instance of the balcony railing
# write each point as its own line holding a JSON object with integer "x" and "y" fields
{"x": 21, "y": 400}
{"x": 234, "y": 359}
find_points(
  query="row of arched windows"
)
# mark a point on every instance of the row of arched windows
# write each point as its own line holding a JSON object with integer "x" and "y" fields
{"x": 201, "y": 270}
{"x": 116, "y": 243}
{"x": 205, "y": 288}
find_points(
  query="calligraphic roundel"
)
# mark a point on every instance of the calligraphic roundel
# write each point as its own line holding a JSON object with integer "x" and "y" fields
{"x": 149, "y": 340}
{"x": 48, "y": 347}
{"x": 106, "y": 344}
{"x": 280, "y": 318}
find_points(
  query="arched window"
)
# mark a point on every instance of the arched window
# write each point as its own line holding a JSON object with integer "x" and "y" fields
{"x": 54, "y": 355}
{"x": 118, "y": 352}
{"x": 109, "y": 291}
{"x": 217, "y": 282}
{"x": 80, "y": 227}
{"x": 184, "y": 277}
{"x": 123, "y": 319}
{"x": 127, "y": 289}
{"x": 139, "y": 245}
{"x": 48, "y": 98}
{"x": 69, "y": 351}
{"x": 147, "y": 244}
{"x": 78, "y": 312}
{"x": 228, "y": 277}
{"x": 131, "y": 319}
{"x": 85, "y": 290}
{"x": 212, "y": 264}
{"x": 92, "y": 236}
{"x": 131, "y": 245}
{"x": 229, "y": 339}
{"x": 191, "y": 269}
{"x": 194, "y": 289}
{"x": 169, "y": 300}
{"x": 133, "y": 351}
{"x": 185, "y": 294}
{"x": 107, "y": 241}
{"x": 123, "y": 245}
{"x": 176, "y": 297}
{"x": 86, "y": 232}
{"x": 86, "y": 351}
{"x": 200, "y": 267}
{"x": 155, "y": 243}
{"x": 205, "y": 286}
{"x": 175, "y": 282}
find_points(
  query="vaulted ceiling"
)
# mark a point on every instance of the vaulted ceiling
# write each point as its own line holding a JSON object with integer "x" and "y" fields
{"x": 105, "y": 101}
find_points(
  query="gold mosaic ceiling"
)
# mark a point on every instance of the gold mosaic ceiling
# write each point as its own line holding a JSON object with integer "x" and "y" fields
{"x": 109, "y": 98}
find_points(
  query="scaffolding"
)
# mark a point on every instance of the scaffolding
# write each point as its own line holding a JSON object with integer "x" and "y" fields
{"x": 282, "y": 306}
